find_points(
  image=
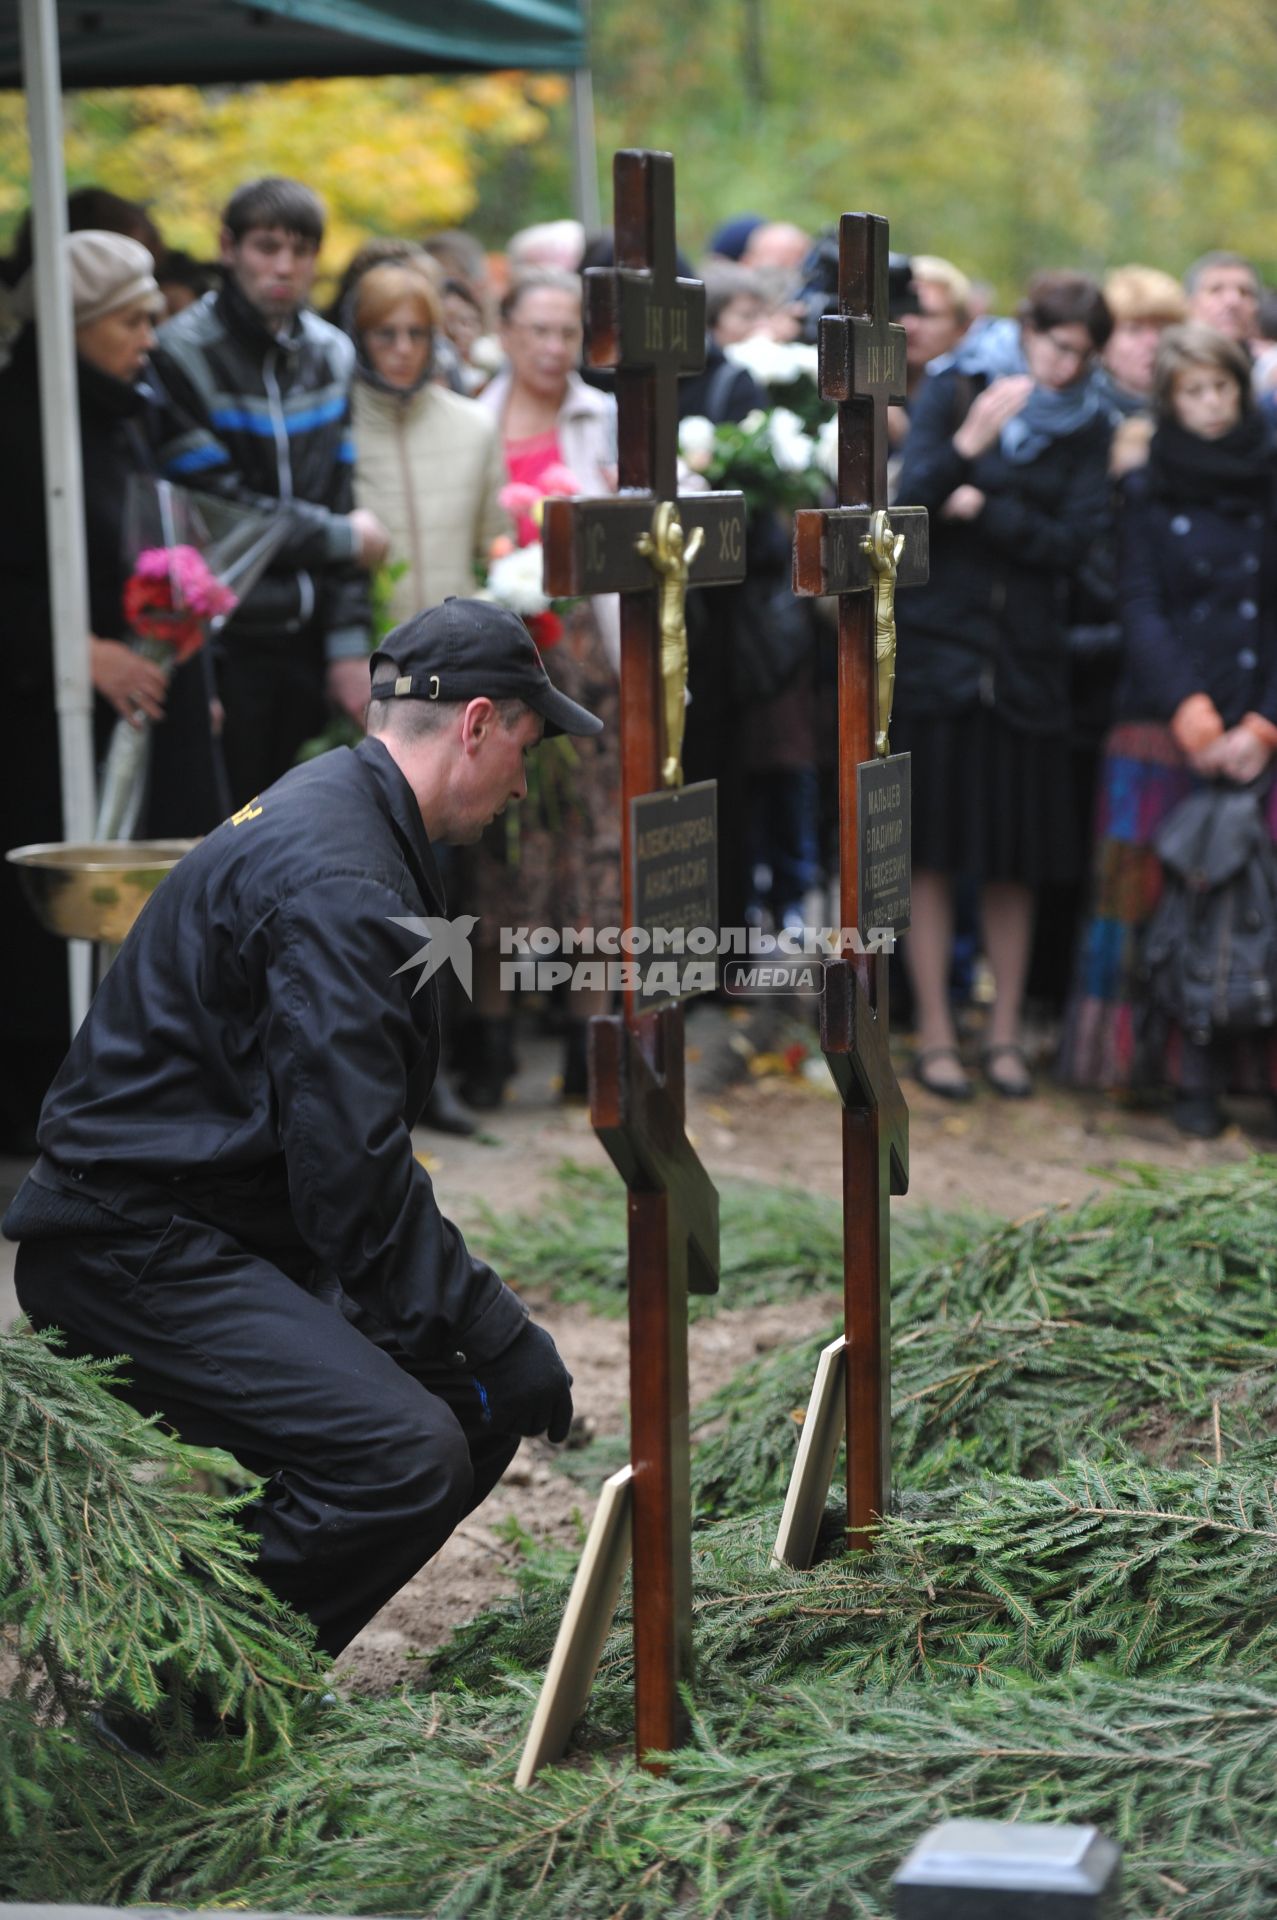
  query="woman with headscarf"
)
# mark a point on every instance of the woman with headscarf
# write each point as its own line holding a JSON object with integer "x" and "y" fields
{"x": 1008, "y": 450}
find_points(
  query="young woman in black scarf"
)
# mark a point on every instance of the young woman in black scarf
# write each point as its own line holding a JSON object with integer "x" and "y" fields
{"x": 1197, "y": 701}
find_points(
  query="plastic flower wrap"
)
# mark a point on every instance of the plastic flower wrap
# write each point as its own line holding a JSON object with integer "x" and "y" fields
{"x": 193, "y": 559}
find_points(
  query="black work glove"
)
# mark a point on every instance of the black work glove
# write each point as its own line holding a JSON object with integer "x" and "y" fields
{"x": 526, "y": 1388}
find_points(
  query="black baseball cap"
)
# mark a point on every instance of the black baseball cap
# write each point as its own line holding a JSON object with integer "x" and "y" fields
{"x": 471, "y": 648}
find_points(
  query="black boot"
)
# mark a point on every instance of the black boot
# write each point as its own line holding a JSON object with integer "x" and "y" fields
{"x": 1198, "y": 1115}
{"x": 444, "y": 1113}
{"x": 576, "y": 1060}
{"x": 490, "y": 1063}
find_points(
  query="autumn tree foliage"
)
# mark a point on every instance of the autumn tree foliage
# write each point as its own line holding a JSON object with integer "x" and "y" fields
{"x": 390, "y": 156}
{"x": 1007, "y": 134}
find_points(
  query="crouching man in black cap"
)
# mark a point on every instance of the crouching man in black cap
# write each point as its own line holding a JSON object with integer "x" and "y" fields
{"x": 227, "y": 1190}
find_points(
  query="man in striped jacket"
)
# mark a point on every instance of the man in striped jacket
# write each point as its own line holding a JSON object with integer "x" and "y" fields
{"x": 258, "y": 393}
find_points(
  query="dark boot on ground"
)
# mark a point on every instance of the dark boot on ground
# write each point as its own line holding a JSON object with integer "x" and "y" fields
{"x": 1198, "y": 1115}
{"x": 444, "y": 1113}
{"x": 490, "y": 1063}
{"x": 576, "y": 1060}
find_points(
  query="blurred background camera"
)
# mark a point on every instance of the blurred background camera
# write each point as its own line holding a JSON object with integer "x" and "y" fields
{"x": 818, "y": 291}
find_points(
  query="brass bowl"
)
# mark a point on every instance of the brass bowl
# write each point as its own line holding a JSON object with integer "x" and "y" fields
{"x": 92, "y": 892}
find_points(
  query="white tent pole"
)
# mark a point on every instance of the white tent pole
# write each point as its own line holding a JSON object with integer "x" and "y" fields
{"x": 585, "y": 163}
{"x": 60, "y": 429}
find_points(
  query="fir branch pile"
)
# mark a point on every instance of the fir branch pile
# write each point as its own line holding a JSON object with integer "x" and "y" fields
{"x": 1071, "y": 1616}
{"x": 118, "y": 1577}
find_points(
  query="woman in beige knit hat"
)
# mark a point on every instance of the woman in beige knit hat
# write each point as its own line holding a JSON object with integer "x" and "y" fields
{"x": 115, "y": 301}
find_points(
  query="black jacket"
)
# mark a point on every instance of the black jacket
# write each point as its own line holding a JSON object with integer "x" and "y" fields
{"x": 117, "y": 432}
{"x": 989, "y": 624}
{"x": 35, "y": 1011}
{"x": 119, "y": 429}
{"x": 1198, "y": 592}
{"x": 264, "y": 421}
{"x": 256, "y": 1058}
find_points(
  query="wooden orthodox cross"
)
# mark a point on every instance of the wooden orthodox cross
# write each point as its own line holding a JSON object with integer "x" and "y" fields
{"x": 648, "y": 544}
{"x": 857, "y": 551}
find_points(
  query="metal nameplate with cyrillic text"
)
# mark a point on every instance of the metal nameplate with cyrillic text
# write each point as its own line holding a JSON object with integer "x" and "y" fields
{"x": 674, "y": 861}
{"x": 884, "y": 817}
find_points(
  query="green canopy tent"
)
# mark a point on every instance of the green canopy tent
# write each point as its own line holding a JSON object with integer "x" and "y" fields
{"x": 48, "y": 44}
{"x": 144, "y": 43}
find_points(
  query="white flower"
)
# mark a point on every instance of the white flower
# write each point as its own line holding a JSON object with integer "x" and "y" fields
{"x": 774, "y": 363}
{"x": 516, "y": 581}
{"x": 696, "y": 441}
{"x": 753, "y": 421}
{"x": 827, "y": 448}
{"x": 791, "y": 448}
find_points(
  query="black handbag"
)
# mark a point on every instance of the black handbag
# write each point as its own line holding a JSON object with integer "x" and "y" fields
{"x": 1209, "y": 955}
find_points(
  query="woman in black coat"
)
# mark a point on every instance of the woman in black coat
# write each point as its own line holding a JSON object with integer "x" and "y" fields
{"x": 116, "y": 300}
{"x": 1008, "y": 450}
{"x": 1197, "y": 586}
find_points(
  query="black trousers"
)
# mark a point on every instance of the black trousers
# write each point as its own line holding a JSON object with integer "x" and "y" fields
{"x": 371, "y": 1458}
{"x": 274, "y": 701}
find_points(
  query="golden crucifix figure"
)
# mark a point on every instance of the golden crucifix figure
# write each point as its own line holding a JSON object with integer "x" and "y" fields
{"x": 671, "y": 554}
{"x": 884, "y": 549}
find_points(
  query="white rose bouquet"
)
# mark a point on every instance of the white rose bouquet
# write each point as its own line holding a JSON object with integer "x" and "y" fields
{"x": 769, "y": 455}
{"x": 787, "y": 370}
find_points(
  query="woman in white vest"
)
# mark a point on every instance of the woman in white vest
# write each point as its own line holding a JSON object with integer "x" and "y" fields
{"x": 428, "y": 462}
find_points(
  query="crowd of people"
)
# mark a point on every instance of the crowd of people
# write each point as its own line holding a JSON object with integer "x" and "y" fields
{"x": 1097, "y": 641}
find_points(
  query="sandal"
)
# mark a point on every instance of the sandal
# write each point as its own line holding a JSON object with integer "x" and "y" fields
{"x": 945, "y": 1089}
{"x": 1008, "y": 1089}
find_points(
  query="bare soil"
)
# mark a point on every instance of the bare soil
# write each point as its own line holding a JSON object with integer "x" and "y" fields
{"x": 780, "y": 1126}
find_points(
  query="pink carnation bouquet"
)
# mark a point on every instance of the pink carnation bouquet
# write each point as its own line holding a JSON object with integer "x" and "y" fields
{"x": 193, "y": 558}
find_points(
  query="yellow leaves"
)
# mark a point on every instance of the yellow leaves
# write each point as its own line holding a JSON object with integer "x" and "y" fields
{"x": 398, "y": 155}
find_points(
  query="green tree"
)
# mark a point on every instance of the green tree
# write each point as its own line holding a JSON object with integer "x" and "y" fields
{"x": 1008, "y": 134}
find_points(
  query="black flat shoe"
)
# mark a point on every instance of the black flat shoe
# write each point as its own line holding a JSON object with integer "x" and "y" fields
{"x": 1005, "y": 1088}
{"x": 945, "y": 1089}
